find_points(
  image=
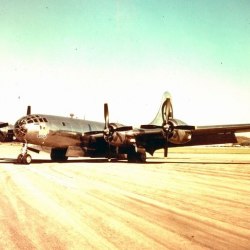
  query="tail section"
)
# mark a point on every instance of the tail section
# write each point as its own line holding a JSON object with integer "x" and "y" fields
{"x": 159, "y": 119}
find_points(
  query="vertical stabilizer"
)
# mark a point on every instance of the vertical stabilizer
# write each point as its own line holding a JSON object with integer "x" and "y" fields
{"x": 158, "y": 120}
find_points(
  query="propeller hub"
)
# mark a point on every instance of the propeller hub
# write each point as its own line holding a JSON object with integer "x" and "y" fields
{"x": 166, "y": 127}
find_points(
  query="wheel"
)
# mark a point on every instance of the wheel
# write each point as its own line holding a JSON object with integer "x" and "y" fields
{"x": 20, "y": 159}
{"x": 131, "y": 157}
{"x": 141, "y": 157}
{"x": 26, "y": 159}
{"x": 137, "y": 157}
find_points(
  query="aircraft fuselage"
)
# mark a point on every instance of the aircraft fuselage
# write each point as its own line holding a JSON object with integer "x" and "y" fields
{"x": 53, "y": 131}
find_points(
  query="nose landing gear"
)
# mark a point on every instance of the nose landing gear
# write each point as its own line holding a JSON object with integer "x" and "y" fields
{"x": 24, "y": 157}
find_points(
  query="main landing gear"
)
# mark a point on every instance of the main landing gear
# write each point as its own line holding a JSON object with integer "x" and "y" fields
{"x": 24, "y": 157}
{"x": 137, "y": 155}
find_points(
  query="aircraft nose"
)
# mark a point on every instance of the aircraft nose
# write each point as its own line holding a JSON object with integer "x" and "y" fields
{"x": 20, "y": 129}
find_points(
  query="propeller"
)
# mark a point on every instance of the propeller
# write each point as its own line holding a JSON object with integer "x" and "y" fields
{"x": 110, "y": 129}
{"x": 167, "y": 128}
{"x": 107, "y": 132}
{"x": 107, "y": 129}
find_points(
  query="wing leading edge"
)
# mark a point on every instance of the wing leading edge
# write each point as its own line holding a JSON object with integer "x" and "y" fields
{"x": 234, "y": 128}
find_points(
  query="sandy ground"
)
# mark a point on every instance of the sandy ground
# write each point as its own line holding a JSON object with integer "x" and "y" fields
{"x": 195, "y": 199}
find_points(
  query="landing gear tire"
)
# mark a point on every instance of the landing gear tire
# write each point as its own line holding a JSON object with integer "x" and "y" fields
{"x": 19, "y": 159}
{"x": 24, "y": 159}
{"x": 27, "y": 159}
{"x": 58, "y": 155}
{"x": 141, "y": 157}
{"x": 137, "y": 157}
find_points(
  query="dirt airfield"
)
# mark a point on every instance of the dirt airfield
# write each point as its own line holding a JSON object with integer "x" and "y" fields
{"x": 198, "y": 198}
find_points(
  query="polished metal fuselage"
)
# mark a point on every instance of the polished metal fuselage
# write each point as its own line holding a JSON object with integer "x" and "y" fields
{"x": 54, "y": 131}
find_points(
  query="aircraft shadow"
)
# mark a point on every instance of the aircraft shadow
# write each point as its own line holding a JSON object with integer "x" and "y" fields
{"x": 208, "y": 163}
{"x": 69, "y": 161}
{"x": 104, "y": 161}
{"x": 41, "y": 161}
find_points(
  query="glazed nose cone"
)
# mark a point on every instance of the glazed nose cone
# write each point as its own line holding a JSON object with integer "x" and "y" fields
{"x": 20, "y": 129}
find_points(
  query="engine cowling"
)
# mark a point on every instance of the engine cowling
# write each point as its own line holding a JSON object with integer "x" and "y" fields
{"x": 178, "y": 136}
{"x": 120, "y": 134}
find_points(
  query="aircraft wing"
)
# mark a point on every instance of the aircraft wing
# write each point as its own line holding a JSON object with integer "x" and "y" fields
{"x": 153, "y": 139}
{"x": 234, "y": 128}
{"x": 217, "y": 134}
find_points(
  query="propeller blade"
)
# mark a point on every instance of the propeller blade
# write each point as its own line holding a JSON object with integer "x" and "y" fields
{"x": 150, "y": 126}
{"x": 28, "y": 110}
{"x": 185, "y": 127}
{"x": 3, "y": 125}
{"x": 166, "y": 133}
{"x": 107, "y": 132}
{"x": 109, "y": 153}
{"x": 166, "y": 150}
{"x": 106, "y": 115}
{"x": 124, "y": 128}
{"x": 167, "y": 111}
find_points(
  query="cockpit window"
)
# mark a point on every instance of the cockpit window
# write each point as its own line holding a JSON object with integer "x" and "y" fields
{"x": 20, "y": 127}
{"x": 35, "y": 119}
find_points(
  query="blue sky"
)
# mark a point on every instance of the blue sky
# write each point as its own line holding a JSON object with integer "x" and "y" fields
{"x": 72, "y": 56}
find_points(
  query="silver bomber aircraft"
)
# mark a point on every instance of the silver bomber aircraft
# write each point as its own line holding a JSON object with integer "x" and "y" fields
{"x": 67, "y": 137}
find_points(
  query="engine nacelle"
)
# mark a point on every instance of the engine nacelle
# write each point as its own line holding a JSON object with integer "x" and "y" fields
{"x": 179, "y": 136}
{"x": 120, "y": 135}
